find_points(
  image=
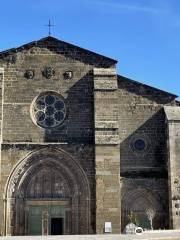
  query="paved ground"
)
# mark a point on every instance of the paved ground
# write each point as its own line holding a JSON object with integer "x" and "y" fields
{"x": 163, "y": 235}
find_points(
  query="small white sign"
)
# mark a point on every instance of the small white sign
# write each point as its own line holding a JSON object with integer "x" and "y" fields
{"x": 108, "y": 227}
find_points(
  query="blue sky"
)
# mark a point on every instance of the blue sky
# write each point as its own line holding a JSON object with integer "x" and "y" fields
{"x": 143, "y": 35}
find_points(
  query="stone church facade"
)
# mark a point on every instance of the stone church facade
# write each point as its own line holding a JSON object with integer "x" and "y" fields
{"x": 82, "y": 146}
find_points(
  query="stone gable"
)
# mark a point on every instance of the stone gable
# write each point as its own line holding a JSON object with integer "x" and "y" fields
{"x": 57, "y": 46}
{"x": 81, "y": 144}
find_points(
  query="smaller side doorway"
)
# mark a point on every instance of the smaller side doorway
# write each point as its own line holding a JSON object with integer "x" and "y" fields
{"x": 56, "y": 226}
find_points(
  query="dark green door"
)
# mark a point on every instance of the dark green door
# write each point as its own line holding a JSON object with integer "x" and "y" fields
{"x": 35, "y": 220}
{"x": 55, "y": 219}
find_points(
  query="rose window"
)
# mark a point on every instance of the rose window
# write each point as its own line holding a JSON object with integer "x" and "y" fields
{"x": 49, "y": 110}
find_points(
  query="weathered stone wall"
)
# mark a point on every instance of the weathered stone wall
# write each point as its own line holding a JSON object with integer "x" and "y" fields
{"x": 105, "y": 117}
{"x": 173, "y": 143}
{"x": 1, "y": 90}
{"x": 1, "y": 93}
{"x": 141, "y": 116}
{"x": 76, "y": 135}
{"x": 107, "y": 158}
{"x": 19, "y": 93}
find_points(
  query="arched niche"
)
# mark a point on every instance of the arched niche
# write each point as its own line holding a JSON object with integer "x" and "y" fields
{"x": 47, "y": 175}
{"x": 140, "y": 202}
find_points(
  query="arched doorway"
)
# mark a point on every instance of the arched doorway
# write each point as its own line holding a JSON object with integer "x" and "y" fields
{"x": 47, "y": 193}
{"x": 141, "y": 205}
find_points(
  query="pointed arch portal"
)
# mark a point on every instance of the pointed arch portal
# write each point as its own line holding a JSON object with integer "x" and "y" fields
{"x": 139, "y": 202}
{"x": 47, "y": 193}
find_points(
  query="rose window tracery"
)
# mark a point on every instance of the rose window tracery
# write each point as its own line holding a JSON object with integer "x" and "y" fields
{"x": 49, "y": 110}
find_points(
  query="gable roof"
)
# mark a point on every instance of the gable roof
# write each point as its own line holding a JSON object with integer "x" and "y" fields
{"x": 143, "y": 89}
{"x": 62, "y": 47}
{"x": 81, "y": 54}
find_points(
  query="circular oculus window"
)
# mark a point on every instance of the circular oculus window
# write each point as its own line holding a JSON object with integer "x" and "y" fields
{"x": 139, "y": 145}
{"x": 48, "y": 110}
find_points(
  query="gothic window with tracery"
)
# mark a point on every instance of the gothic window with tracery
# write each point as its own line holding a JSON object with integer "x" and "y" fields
{"x": 49, "y": 110}
{"x": 47, "y": 184}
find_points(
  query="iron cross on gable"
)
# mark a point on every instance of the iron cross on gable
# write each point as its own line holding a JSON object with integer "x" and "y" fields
{"x": 49, "y": 26}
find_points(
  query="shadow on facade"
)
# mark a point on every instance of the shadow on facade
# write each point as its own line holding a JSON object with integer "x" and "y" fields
{"x": 78, "y": 127}
{"x": 144, "y": 172}
{"x": 145, "y": 91}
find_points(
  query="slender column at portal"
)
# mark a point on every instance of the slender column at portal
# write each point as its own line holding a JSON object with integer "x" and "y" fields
{"x": 10, "y": 219}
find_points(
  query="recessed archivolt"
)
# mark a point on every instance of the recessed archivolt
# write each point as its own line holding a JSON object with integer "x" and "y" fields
{"x": 67, "y": 168}
{"x": 48, "y": 182}
{"x": 149, "y": 201}
{"x": 51, "y": 165}
{"x": 47, "y": 157}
